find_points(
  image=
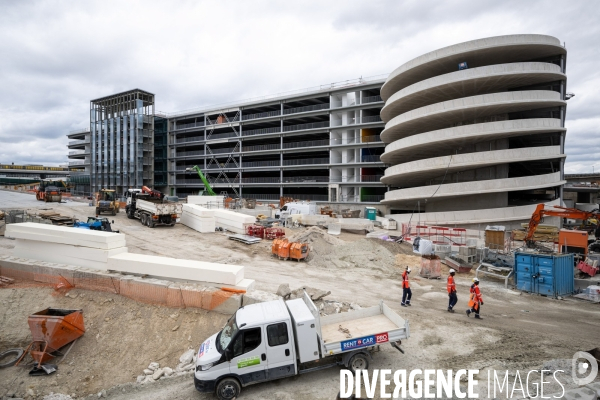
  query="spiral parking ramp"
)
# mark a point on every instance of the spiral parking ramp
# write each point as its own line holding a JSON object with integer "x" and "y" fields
{"x": 477, "y": 126}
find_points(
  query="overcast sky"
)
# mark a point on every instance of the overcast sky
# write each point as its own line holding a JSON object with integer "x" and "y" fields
{"x": 57, "y": 55}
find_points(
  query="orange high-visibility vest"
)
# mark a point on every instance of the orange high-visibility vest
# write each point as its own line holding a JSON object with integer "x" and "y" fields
{"x": 405, "y": 284}
{"x": 475, "y": 297}
{"x": 451, "y": 284}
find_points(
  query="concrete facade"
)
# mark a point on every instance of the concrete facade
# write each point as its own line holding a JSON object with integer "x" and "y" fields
{"x": 477, "y": 137}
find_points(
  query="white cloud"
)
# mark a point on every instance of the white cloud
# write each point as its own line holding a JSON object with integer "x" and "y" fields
{"x": 56, "y": 56}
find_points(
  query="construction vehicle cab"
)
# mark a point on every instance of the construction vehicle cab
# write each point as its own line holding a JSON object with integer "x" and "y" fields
{"x": 50, "y": 190}
{"x": 96, "y": 224}
{"x": 107, "y": 202}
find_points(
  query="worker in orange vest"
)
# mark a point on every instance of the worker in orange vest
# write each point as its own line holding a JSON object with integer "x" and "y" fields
{"x": 475, "y": 299}
{"x": 452, "y": 297}
{"x": 406, "y": 292}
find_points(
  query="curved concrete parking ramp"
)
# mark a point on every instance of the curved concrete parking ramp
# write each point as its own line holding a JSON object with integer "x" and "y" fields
{"x": 480, "y": 52}
{"x": 453, "y": 190}
{"x": 444, "y": 141}
{"x": 417, "y": 171}
{"x": 470, "y": 82}
{"x": 442, "y": 115}
{"x": 461, "y": 218}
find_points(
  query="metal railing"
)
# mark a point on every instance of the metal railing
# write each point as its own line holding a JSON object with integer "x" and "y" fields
{"x": 189, "y": 139}
{"x": 220, "y": 121}
{"x": 220, "y": 181}
{"x": 251, "y": 164}
{"x": 370, "y": 159}
{"x": 306, "y": 161}
{"x": 371, "y": 139}
{"x": 299, "y": 127}
{"x": 372, "y": 197}
{"x": 374, "y": 118}
{"x": 263, "y": 131}
{"x": 225, "y": 135}
{"x": 261, "y": 147}
{"x": 261, "y": 115}
{"x": 81, "y": 162}
{"x": 371, "y": 99}
{"x": 356, "y": 178}
{"x": 306, "y": 109}
{"x": 307, "y": 143}
{"x": 264, "y": 179}
{"x": 227, "y": 165}
{"x": 262, "y": 196}
{"x": 78, "y": 152}
{"x": 81, "y": 141}
{"x": 190, "y": 153}
{"x": 222, "y": 151}
{"x": 190, "y": 125}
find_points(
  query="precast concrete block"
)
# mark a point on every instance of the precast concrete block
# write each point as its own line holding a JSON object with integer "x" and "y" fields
{"x": 17, "y": 268}
{"x": 62, "y": 234}
{"x": 219, "y": 274}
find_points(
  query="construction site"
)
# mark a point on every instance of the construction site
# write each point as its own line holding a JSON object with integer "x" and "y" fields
{"x": 470, "y": 251}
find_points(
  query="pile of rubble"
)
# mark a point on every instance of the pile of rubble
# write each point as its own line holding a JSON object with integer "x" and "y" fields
{"x": 155, "y": 372}
{"x": 326, "y": 307}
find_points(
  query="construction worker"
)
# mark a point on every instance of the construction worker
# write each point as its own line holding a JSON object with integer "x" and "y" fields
{"x": 406, "y": 292}
{"x": 452, "y": 298}
{"x": 475, "y": 299}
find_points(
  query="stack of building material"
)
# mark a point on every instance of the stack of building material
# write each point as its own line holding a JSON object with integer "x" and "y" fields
{"x": 233, "y": 221}
{"x": 355, "y": 224}
{"x": 312, "y": 220}
{"x": 64, "y": 245}
{"x": 198, "y": 218}
{"x": 205, "y": 200}
{"x": 191, "y": 270}
{"x": 543, "y": 233}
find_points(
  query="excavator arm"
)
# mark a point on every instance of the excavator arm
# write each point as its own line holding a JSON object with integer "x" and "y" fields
{"x": 562, "y": 212}
{"x": 204, "y": 180}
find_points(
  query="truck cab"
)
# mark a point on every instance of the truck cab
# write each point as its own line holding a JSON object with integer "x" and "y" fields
{"x": 255, "y": 345}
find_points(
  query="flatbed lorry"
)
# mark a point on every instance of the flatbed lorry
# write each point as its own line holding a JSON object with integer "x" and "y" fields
{"x": 277, "y": 339}
{"x": 150, "y": 210}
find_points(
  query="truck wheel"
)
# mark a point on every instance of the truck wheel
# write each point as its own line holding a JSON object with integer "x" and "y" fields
{"x": 151, "y": 223}
{"x": 228, "y": 389}
{"x": 358, "y": 362}
{"x": 129, "y": 214}
{"x": 114, "y": 211}
{"x": 143, "y": 219}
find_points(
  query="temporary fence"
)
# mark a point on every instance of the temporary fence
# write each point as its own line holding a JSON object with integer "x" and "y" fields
{"x": 437, "y": 234}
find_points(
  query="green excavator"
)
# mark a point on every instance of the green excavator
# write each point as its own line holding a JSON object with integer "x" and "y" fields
{"x": 209, "y": 191}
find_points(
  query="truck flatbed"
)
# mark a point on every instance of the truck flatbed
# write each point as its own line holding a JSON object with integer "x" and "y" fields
{"x": 366, "y": 327}
{"x": 357, "y": 328}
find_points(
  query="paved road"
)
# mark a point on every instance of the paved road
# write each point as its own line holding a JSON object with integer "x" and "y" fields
{"x": 18, "y": 200}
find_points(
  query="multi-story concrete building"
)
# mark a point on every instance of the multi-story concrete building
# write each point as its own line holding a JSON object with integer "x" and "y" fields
{"x": 322, "y": 144}
{"x": 121, "y": 141}
{"x": 475, "y": 131}
{"x": 80, "y": 165}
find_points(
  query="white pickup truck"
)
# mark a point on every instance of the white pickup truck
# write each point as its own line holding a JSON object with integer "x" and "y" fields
{"x": 276, "y": 339}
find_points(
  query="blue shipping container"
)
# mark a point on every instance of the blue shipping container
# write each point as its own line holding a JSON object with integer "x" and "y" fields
{"x": 550, "y": 275}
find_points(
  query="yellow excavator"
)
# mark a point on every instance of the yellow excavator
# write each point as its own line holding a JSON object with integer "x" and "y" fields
{"x": 106, "y": 201}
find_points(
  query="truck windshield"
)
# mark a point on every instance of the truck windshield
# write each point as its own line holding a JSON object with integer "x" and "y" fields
{"x": 227, "y": 334}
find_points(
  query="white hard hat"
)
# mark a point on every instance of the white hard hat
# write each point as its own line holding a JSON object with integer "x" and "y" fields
{"x": 475, "y": 280}
{"x": 407, "y": 269}
{"x": 452, "y": 271}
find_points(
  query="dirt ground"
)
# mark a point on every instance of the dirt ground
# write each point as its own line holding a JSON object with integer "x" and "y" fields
{"x": 519, "y": 331}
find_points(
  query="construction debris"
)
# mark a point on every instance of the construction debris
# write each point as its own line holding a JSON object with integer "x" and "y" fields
{"x": 4, "y": 281}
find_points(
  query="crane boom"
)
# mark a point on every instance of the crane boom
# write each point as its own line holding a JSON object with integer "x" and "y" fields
{"x": 562, "y": 212}
{"x": 209, "y": 189}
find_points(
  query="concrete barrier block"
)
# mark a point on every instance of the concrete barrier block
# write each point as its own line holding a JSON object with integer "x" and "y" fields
{"x": 17, "y": 268}
{"x": 166, "y": 267}
{"x": 258, "y": 296}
